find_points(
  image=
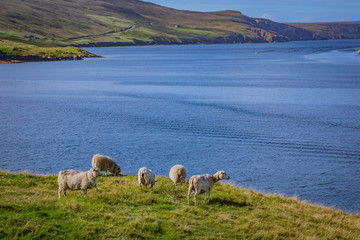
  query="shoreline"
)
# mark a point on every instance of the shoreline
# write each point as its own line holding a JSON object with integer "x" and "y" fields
{"x": 24, "y": 59}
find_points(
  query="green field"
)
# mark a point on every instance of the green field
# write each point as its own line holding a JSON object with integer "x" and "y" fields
{"x": 17, "y": 50}
{"x": 118, "y": 209}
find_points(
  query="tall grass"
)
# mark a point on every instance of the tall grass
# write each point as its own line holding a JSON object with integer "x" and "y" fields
{"x": 30, "y": 208}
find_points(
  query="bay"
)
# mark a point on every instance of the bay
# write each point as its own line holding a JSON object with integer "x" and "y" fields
{"x": 278, "y": 117}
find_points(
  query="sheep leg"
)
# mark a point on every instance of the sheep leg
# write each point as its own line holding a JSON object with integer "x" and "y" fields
{"x": 59, "y": 192}
{"x": 195, "y": 197}
{"x": 64, "y": 192}
{"x": 85, "y": 192}
{"x": 205, "y": 195}
{"x": 189, "y": 193}
{"x": 208, "y": 195}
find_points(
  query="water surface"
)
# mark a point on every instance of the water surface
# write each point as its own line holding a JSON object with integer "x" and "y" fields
{"x": 281, "y": 117}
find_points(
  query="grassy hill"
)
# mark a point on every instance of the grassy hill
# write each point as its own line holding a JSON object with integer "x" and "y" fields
{"x": 58, "y": 23}
{"x": 30, "y": 208}
{"x": 126, "y": 22}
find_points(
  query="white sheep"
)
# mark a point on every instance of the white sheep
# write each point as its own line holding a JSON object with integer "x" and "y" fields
{"x": 178, "y": 174}
{"x": 204, "y": 183}
{"x": 76, "y": 180}
{"x": 105, "y": 163}
{"x": 146, "y": 177}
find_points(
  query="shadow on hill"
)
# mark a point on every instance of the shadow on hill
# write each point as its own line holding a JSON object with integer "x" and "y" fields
{"x": 221, "y": 202}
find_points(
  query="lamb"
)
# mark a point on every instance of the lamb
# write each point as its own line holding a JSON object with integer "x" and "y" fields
{"x": 146, "y": 177}
{"x": 178, "y": 174}
{"x": 76, "y": 180}
{"x": 105, "y": 163}
{"x": 204, "y": 183}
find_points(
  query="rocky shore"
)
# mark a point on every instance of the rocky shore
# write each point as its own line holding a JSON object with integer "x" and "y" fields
{"x": 33, "y": 58}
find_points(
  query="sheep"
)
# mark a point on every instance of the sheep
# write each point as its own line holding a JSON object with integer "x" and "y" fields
{"x": 178, "y": 174}
{"x": 105, "y": 163}
{"x": 76, "y": 180}
{"x": 146, "y": 177}
{"x": 204, "y": 183}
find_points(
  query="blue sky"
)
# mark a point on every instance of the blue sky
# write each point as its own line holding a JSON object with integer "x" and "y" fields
{"x": 277, "y": 10}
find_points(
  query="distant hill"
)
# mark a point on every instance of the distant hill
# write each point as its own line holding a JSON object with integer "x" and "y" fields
{"x": 26, "y": 27}
{"x": 133, "y": 22}
{"x": 334, "y": 30}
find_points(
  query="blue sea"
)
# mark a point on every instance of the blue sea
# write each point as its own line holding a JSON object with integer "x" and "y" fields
{"x": 280, "y": 118}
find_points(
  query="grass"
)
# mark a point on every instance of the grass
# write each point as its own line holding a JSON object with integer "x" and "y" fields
{"x": 30, "y": 208}
{"x": 10, "y": 49}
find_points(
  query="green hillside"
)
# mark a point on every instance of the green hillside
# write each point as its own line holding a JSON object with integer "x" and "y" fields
{"x": 118, "y": 209}
{"x": 125, "y": 22}
{"x": 58, "y": 23}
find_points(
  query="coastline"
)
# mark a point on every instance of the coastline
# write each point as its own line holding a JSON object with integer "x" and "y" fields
{"x": 34, "y": 58}
{"x": 23, "y": 59}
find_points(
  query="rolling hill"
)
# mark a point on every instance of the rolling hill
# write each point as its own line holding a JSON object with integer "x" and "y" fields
{"x": 54, "y": 23}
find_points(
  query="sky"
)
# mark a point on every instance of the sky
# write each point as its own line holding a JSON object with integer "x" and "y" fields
{"x": 276, "y": 10}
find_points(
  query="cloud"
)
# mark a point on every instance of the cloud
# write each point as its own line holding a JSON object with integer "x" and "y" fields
{"x": 268, "y": 16}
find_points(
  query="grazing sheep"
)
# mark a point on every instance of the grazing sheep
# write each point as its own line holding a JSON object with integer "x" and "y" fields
{"x": 76, "y": 180}
{"x": 178, "y": 174}
{"x": 146, "y": 177}
{"x": 204, "y": 183}
{"x": 105, "y": 163}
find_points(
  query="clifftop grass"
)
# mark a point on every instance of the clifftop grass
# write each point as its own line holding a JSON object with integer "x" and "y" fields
{"x": 30, "y": 208}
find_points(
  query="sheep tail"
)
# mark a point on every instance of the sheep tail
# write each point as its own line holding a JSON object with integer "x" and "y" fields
{"x": 191, "y": 185}
{"x": 143, "y": 178}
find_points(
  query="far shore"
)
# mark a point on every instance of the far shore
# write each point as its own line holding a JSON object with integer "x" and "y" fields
{"x": 23, "y": 59}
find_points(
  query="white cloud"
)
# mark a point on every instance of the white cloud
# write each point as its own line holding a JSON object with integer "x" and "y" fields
{"x": 268, "y": 16}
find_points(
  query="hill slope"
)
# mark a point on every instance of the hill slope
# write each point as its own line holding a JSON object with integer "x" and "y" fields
{"x": 335, "y": 30}
{"x": 30, "y": 208}
{"x": 59, "y": 23}
{"x": 125, "y": 22}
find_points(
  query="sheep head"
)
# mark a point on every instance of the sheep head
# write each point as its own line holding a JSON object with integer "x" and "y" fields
{"x": 222, "y": 175}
